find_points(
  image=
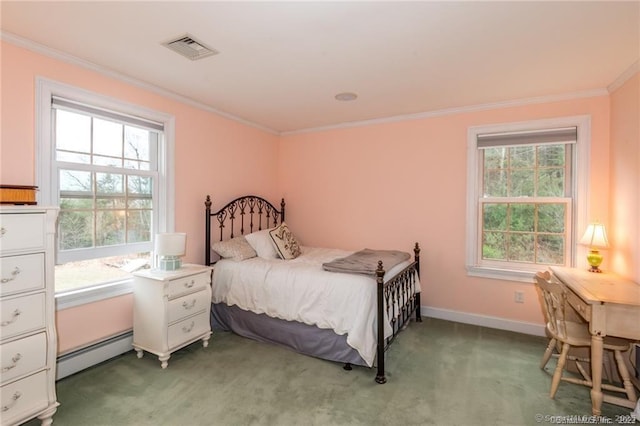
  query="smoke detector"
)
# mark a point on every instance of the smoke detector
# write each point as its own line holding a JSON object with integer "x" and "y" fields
{"x": 190, "y": 48}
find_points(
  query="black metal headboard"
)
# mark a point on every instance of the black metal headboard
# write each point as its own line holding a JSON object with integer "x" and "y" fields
{"x": 250, "y": 210}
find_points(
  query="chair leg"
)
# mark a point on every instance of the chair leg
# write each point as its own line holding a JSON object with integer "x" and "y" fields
{"x": 547, "y": 353}
{"x": 624, "y": 375}
{"x": 557, "y": 375}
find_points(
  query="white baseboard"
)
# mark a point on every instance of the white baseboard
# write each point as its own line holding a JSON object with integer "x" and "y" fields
{"x": 484, "y": 321}
{"x": 75, "y": 361}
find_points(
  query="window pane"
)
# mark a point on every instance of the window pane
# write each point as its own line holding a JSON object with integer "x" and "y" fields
{"x": 72, "y": 157}
{"x": 107, "y": 137}
{"x": 551, "y": 218}
{"x": 76, "y": 203}
{"x": 522, "y": 217}
{"x": 136, "y": 145}
{"x": 75, "y": 229}
{"x": 110, "y": 227}
{"x": 551, "y": 182}
{"x": 494, "y": 246}
{"x": 495, "y": 183}
{"x": 521, "y": 183}
{"x": 550, "y": 249}
{"x": 521, "y": 248}
{"x": 495, "y": 158}
{"x": 91, "y": 272}
{"x": 75, "y": 181}
{"x": 73, "y": 131}
{"x": 495, "y": 217}
{"x": 139, "y": 185}
{"x": 551, "y": 155}
{"x": 110, "y": 184}
{"x": 99, "y": 160}
{"x": 522, "y": 157}
{"x": 139, "y": 226}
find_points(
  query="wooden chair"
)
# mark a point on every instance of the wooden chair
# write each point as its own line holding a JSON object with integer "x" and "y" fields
{"x": 566, "y": 333}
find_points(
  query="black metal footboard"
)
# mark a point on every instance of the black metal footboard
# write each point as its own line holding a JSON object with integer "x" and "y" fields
{"x": 397, "y": 298}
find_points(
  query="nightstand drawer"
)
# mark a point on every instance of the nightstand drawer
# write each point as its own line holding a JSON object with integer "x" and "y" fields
{"x": 21, "y": 314}
{"x": 188, "y": 305}
{"x": 24, "y": 397}
{"x": 189, "y": 284}
{"x": 21, "y": 273}
{"x": 23, "y": 356}
{"x": 188, "y": 329}
{"x": 22, "y": 232}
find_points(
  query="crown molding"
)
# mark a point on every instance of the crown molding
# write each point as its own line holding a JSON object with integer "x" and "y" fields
{"x": 73, "y": 60}
{"x": 65, "y": 57}
{"x": 626, "y": 75}
{"x": 456, "y": 110}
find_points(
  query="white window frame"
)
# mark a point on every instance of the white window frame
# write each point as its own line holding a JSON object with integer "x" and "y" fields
{"x": 47, "y": 183}
{"x": 578, "y": 212}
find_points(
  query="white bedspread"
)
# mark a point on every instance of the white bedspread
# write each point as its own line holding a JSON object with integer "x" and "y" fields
{"x": 300, "y": 290}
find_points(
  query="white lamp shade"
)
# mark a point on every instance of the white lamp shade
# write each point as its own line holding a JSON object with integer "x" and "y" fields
{"x": 595, "y": 236}
{"x": 171, "y": 244}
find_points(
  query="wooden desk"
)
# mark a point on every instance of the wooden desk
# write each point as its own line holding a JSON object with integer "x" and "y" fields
{"x": 611, "y": 305}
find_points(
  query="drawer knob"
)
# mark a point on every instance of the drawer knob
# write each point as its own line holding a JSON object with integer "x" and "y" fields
{"x": 13, "y": 319}
{"x": 16, "y": 396}
{"x": 188, "y": 329}
{"x": 189, "y": 284}
{"x": 14, "y": 363}
{"x": 16, "y": 271}
{"x": 2, "y": 232}
{"x": 188, "y": 306}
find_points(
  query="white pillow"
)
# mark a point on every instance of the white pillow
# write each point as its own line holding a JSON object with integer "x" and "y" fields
{"x": 235, "y": 249}
{"x": 262, "y": 244}
{"x": 285, "y": 242}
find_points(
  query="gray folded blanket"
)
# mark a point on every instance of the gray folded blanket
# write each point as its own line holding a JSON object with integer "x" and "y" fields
{"x": 366, "y": 261}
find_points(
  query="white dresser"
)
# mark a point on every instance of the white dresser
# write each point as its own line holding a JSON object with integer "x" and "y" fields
{"x": 27, "y": 314}
{"x": 171, "y": 310}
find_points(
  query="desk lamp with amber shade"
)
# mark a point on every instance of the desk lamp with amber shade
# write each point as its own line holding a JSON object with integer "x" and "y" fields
{"x": 595, "y": 237}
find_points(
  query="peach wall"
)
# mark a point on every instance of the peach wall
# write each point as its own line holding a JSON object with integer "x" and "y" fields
{"x": 625, "y": 179}
{"x": 209, "y": 149}
{"x": 388, "y": 185}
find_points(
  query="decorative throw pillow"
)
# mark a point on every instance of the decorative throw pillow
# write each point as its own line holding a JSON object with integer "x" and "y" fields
{"x": 262, "y": 244}
{"x": 286, "y": 244}
{"x": 237, "y": 249}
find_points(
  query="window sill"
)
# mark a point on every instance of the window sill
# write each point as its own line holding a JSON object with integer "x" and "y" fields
{"x": 71, "y": 298}
{"x": 502, "y": 274}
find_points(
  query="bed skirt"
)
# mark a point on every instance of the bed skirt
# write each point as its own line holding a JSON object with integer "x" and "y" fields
{"x": 302, "y": 338}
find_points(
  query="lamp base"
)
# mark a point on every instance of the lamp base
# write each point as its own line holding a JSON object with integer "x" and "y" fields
{"x": 595, "y": 259}
{"x": 170, "y": 263}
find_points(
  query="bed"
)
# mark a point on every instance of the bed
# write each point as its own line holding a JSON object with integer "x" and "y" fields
{"x": 305, "y": 301}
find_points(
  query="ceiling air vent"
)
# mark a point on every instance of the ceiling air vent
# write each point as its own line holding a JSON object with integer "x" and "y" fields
{"x": 190, "y": 48}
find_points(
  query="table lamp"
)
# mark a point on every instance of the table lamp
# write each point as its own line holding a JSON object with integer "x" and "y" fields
{"x": 595, "y": 237}
{"x": 169, "y": 247}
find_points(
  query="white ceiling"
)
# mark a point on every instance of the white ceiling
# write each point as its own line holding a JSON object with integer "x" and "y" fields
{"x": 281, "y": 63}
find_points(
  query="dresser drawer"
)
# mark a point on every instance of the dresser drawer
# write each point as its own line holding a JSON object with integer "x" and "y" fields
{"x": 24, "y": 397}
{"x": 188, "y": 329}
{"x": 21, "y": 314}
{"x": 189, "y": 284}
{"x": 21, "y": 273}
{"x": 190, "y": 304}
{"x": 23, "y": 356}
{"x": 21, "y": 232}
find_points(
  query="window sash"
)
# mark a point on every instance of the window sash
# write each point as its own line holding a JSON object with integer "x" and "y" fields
{"x": 156, "y": 132}
{"x": 578, "y": 182}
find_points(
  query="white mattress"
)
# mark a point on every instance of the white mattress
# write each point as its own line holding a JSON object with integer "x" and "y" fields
{"x": 300, "y": 290}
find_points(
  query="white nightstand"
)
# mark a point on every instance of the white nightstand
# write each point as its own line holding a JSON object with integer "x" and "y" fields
{"x": 171, "y": 310}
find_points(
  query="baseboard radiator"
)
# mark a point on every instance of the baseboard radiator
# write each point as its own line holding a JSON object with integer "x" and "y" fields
{"x": 81, "y": 359}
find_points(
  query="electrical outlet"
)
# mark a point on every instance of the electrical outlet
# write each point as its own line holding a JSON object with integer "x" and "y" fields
{"x": 519, "y": 297}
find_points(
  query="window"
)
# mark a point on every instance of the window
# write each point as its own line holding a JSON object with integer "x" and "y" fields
{"x": 105, "y": 164}
{"x": 523, "y": 205}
